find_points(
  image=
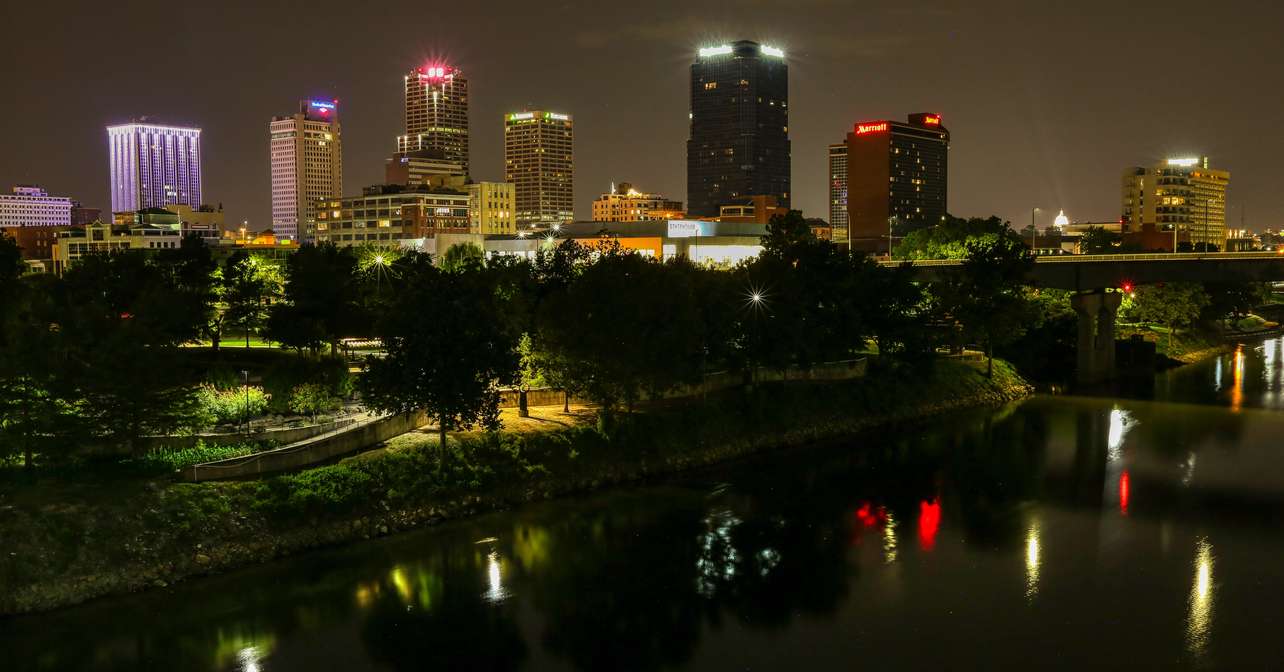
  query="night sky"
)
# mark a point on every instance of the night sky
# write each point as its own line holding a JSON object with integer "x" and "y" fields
{"x": 1047, "y": 102}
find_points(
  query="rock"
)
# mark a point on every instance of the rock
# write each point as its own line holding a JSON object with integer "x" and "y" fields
{"x": 202, "y": 559}
{"x": 160, "y": 583}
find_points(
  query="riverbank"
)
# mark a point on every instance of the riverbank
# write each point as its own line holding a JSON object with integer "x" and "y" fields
{"x": 110, "y": 538}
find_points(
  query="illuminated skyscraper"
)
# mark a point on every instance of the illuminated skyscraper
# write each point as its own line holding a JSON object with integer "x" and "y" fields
{"x": 437, "y": 113}
{"x": 895, "y": 170}
{"x": 153, "y": 166}
{"x": 1182, "y": 195}
{"x": 539, "y": 162}
{"x": 307, "y": 166}
{"x": 838, "y": 192}
{"x": 739, "y": 142}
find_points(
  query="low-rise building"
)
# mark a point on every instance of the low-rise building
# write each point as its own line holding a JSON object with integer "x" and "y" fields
{"x": 99, "y": 237}
{"x": 30, "y": 205}
{"x": 492, "y": 208}
{"x": 392, "y": 215}
{"x": 205, "y": 221}
{"x": 626, "y": 204}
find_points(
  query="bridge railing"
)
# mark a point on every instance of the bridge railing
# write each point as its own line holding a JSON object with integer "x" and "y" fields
{"x": 1110, "y": 258}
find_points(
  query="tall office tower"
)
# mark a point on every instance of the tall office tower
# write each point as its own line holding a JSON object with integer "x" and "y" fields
{"x": 538, "y": 161}
{"x": 1182, "y": 196}
{"x": 30, "y": 205}
{"x": 307, "y": 166}
{"x": 437, "y": 113}
{"x": 838, "y": 192}
{"x": 895, "y": 170}
{"x": 154, "y": 166}
{"x": 739, "y": 142}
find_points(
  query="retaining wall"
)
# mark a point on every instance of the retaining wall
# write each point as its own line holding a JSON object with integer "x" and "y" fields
{"x": 308, "y": 452}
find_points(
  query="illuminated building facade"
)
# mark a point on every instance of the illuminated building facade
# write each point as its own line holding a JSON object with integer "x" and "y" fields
{"x": 895, "y": 170}
{"x": 739, "y": 139}
{"x": 539, "y": 162}
{"x": 626, "y": 204}
{"x": 1182, "y": 196}
{"x": 33, "y": 206}
{"x": 153, "y": 166}
{"x": 838, "y": 191}
{"x": 437, "y": 113}
{"x": 307, "y": 166}
{"x": 424, "y": 167}
{"x": 391, "y": 216}
{"x": 492, "y": 208}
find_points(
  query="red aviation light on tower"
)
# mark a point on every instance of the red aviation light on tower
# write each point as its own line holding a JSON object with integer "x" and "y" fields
{"x": 871, "y": 127}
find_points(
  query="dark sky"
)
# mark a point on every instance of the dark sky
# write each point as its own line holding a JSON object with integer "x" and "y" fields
{"x": 1047, "y": 101}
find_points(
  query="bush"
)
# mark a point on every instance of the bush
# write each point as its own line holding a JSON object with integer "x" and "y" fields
{"x": 218, "y": 407}
{"x": 313, "y": 399}
{"x": 335, "y": 488}
{"x": 281, "y": 379}
{"x": 174, "y": 459}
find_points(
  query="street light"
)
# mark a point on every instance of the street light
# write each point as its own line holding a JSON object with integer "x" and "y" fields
{"x": 1034, "y": 232}
{"x": 245, "y": 412}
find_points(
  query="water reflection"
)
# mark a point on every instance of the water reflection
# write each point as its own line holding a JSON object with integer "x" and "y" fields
{"x": 1199, "y": 619}
{"x": 817, "y": 556}
{"x": 1237, "y": 381}
{"x": 1032, "y": 550}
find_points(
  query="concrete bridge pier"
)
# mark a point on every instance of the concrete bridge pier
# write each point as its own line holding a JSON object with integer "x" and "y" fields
{"x": 1096, "y": 353}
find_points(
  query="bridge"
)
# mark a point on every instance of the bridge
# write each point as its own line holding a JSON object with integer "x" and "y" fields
{"x": 1093, "y": 277}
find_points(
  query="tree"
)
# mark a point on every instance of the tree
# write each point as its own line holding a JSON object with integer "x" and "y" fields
{"x": 1097, "y": 240}
{"x": 951, "y": 239}
{"x": 896, "y": 309}
{"x": 447, "y": 348}
{"x": 625, "y": 327}
{"x": 1171, "y": 304}
{"x": 1234, "y": 299}
{"x": 987, "y": 298}
{"x": 322, "y": 299}
{"x": 462, "y": 255}
{"x": 119, "y": 329}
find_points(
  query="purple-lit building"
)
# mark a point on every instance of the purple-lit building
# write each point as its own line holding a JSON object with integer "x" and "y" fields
{"x": 153, "y": 166}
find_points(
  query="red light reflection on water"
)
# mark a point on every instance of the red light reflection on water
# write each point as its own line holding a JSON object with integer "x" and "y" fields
{"x": 1125, "y": 490}
{"x": 929, "y": 522}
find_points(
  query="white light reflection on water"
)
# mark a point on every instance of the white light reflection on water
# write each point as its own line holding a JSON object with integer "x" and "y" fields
{"x": 1032, "y": 561}
{"x": 889, "y": 539}
{"x": 496, "y": 593}
{"x": 718, "y": 557}
{"x": 248, "y": 659}
{"x": 1199, "y": 620}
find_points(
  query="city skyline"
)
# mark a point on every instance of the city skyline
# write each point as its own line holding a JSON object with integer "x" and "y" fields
{"x": 1036, "y": 112}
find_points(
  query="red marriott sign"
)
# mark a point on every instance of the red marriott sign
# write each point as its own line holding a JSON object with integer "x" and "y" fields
{"x": 871, "y": 127}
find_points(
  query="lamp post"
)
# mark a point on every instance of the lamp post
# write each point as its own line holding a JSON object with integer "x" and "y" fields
{"x": 1034, "y": 232}
{"x": 891, "y": 224}
{"x": 245, "y": 412}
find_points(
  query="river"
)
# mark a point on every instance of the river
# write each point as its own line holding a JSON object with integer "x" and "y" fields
{"x": 1060, "y": 533}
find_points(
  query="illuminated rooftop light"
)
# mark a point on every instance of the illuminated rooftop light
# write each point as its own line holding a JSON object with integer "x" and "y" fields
{"x": 1184, "y": 163}
{"x": 773, "y": 51}
{"x": 720, "y": 50}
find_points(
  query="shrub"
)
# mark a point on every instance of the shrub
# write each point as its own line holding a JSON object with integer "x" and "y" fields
{"x": 313, "y": 399}
{"x": 174, "y": 459}
{"x": 219, "y": 407}
{"x": 330, "y": 372}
